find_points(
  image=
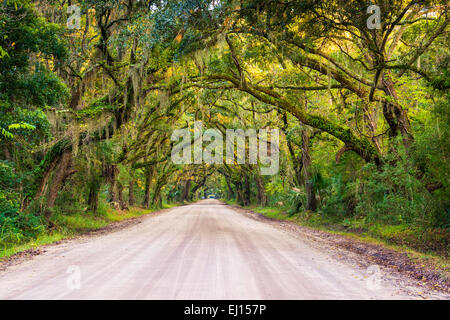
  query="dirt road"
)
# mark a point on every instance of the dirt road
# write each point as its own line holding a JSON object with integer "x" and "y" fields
{"x": 200, "y": 251}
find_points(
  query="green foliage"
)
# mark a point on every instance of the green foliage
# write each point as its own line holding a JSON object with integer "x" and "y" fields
{"x": 276, "y": 192}
{"x": 393, "y": 195}
{"x": 23, "y": 34}
{"x": 22, "y": 125}
{"x": 31, "y": 125}
{"x": 390, "y": 194}
{"x": 18, "y": 227}
{"x": 15, "y": 226}
{"x": 295, "y": 201}
{"x": 432, "y": 150}
{"x": 338, "y": 198}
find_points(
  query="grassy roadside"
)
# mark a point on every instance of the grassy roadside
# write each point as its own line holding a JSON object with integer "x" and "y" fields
{"x": 398, "y": 238}
{"x": 71, "y": 226}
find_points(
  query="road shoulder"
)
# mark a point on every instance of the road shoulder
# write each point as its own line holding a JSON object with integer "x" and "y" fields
{"x": 420, "y": 278}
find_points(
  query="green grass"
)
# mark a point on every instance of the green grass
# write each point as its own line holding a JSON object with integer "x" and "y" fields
{"x": 272, "y": 212}
{"x": 11, "y": 249}
{"x": 69, "y": 226}
{"x": 79, "y": 223}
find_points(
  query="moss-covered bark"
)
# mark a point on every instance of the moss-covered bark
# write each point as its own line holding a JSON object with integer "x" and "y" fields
{"x": 362, "y": 146}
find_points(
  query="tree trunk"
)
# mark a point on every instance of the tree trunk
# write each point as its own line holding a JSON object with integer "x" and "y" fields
{"x": 110, "y": 172}
{"x": 239, "y": 194}
{"x": 297, "y": 163}
{"x": 311, "y": 197}
{"x": 247, "y": 191}
{"x": 262, "y": 198}
{"x": 6, "y": 153}
{"x": 148, "y": 181}
{"x": 395, "y": 115}
{"x": 131, "y": 198}
{"x": 230, "y": 192}
{"x": 94, "y": 189}
{"x": 44, "y": 180}
{"x": 187, "y": 187}
{"x": 122, "y": 203}
{"x": 63, "y": 170}
{"x": 156, "y": 199}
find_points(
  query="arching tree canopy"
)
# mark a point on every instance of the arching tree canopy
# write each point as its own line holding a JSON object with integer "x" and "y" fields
{"x": 89, "y": 103}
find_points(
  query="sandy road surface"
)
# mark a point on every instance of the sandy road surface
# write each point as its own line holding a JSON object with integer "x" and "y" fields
{"x": 200, "y": 251}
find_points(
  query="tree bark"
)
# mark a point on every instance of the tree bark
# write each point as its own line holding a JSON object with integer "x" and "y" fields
{"x": 131, "y": 197}
{"x": 395, "y": 115}
{"x": 186, "y": 189}
{"x": 311, "y": 197}
{"x": 297, "y": 163}
{"x": 239, "y": 194}
{"x": 62, "y": 171}
{"x": 94, "y": 189}
{"x": 6, "y": 153}
{"x": 262, "y": 198}
{"x": 362, "y": 146}
{"x": 230, "y": 192}
{"x": 148, "y": 181}
{"x": 110, "y": 172}
{"x": 247, "y": 191}
{"x": 122, "y": 203}
{"x": 156, "y": 199}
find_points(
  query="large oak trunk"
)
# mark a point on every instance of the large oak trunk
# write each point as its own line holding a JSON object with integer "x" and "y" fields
{"x": 148, "y": 181}
{"x": 62, "y": 171}
{"x": 262, "y": 198}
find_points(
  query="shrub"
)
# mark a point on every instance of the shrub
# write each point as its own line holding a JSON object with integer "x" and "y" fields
{"x": 16, "y": 227}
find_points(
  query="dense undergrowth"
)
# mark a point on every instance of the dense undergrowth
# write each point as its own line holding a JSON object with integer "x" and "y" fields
{"x": 433, "y": 241}
{"x": 389, "y": 202}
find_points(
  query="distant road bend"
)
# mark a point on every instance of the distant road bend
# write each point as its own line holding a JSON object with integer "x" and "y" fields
{"x": 204, "y": 250}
